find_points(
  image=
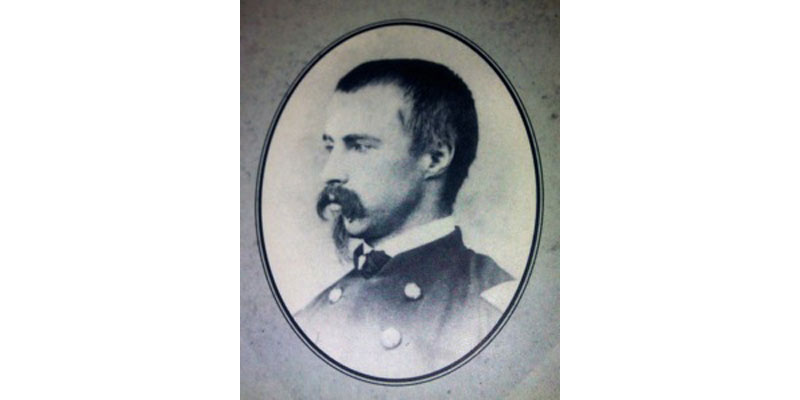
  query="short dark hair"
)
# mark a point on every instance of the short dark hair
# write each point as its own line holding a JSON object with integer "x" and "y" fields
{"x": 442, "y": 110}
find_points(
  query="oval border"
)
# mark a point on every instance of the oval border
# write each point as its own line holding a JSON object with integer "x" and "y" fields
{"x": 536, "y": 230}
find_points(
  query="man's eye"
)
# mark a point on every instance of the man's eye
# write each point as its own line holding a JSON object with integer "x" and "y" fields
{"x": 329, "y": 148}
{"x": 360, "y": 147}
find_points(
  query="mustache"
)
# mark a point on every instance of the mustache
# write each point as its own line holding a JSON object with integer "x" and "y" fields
{"x": 351, "y": 205}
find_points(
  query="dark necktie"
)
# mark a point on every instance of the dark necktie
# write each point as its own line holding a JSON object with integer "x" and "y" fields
{"x": 375, "y": 260}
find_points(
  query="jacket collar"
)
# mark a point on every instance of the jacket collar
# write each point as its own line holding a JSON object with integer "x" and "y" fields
{"x": 440, "y": 252}
{"x": 412, "y": 238}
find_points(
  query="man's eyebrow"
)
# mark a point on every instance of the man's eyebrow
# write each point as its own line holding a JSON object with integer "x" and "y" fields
{"x": 327, "y": 137}
{"x": 357, "y": 137}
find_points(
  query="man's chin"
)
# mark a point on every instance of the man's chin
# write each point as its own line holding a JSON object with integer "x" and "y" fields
{"x": 355, "y": 227}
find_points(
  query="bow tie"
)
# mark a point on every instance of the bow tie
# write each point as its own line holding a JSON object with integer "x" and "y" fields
{"x": 374, "y": 261}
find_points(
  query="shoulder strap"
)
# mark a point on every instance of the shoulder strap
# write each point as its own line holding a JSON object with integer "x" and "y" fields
{"x": 500, "y": 295}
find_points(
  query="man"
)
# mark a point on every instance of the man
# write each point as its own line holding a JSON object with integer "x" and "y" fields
{"x": 401, "y": 135}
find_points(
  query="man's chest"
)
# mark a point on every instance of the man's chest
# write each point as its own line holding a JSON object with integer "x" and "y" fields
{"x": 397, "y": 326}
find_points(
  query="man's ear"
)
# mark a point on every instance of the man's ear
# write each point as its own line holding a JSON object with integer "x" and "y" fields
{"x": 437, "y": 158}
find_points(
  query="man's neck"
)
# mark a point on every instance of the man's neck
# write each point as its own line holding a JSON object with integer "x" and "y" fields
{"x": 414, "y": 236}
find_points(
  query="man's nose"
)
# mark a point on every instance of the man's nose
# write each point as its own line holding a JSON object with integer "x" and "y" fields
{"x": 334, "y": 171}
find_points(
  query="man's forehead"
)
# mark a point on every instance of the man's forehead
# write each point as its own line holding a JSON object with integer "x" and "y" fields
{"x": 371, "y": 108}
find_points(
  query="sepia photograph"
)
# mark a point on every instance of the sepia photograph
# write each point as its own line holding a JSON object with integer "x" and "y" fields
{"x": 400, "y": 202}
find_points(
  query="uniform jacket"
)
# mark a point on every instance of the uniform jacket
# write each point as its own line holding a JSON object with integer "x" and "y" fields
{"x": 421, "y": 312}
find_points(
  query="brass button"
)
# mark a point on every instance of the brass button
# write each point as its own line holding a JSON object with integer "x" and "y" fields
{"x": 391, "y": 338}
{"x": 335, "y": 294}
{"x": 412, "y": 291}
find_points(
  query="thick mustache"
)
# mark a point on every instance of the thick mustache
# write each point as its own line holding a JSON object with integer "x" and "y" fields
{"x": 347, "y": 199}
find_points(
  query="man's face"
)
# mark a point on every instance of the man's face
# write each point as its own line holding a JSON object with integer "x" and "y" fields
{"x": 369, "y": 155}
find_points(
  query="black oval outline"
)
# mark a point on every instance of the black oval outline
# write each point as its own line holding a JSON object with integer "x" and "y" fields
{"x": 536, "y": 233}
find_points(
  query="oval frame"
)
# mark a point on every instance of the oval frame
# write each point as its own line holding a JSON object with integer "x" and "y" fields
{"x": 537, "y": 228}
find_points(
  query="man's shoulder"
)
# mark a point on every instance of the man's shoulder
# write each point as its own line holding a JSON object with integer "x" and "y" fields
{"x": 480, "y": 269}
{"x": 486, "y": 271}
{"x": 448, "y": 263}
{"x": 329, "y": 295}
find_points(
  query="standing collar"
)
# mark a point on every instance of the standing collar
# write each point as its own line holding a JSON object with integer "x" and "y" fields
{"x": 414, "y": 237}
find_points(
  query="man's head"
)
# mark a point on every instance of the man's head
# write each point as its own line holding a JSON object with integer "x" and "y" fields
{"x": 401, "y": 136}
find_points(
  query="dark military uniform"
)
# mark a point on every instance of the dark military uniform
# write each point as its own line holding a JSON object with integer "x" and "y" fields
{"x": 420, "y": 312}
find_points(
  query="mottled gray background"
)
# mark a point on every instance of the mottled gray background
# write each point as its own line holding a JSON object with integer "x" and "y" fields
{"x": 277, "y": 40}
